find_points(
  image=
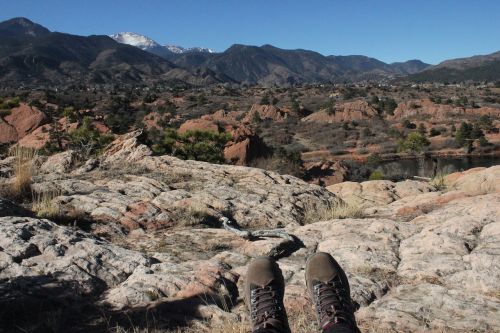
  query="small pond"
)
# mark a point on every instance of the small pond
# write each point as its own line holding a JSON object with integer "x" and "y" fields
{"x": 428, "y": 166}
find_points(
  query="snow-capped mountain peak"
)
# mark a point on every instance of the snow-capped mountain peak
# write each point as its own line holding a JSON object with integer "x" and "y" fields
{"x": 180, "y": 49}
{"x": 136, "y": 40}
{"x": 147, "y": 44}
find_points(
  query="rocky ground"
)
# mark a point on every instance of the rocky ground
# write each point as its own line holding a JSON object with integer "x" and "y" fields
{"x": 134, "y": 243}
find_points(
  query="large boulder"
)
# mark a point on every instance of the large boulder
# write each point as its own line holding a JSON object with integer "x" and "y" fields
{"x": 244, "y": 146}
{"x": 59, "y": 163}
{"x": 25, "y": 119}
{"x": 475, "y": 181}
{"x": 126, "y": 148}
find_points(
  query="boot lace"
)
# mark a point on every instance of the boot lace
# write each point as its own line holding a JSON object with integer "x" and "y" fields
{"x": 266, "y": 311}
{"x": 332, "y": 305}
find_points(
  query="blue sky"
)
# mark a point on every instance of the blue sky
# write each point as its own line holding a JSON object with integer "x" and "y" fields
{"x": 389, "y": 30}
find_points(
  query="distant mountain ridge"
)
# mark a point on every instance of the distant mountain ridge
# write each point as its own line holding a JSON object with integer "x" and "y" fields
{"x": 269, "y": 65}
{"x": 475, "y": 68}
{"x": 32, "y": 54}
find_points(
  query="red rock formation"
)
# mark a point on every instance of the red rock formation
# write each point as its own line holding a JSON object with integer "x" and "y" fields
{"x": 427, "y": 108}
{"x": 345, "y": 112}
{"x": 225, "y": 117}
{"x": 265, "y": 112}
{"x": 238, "y": 152}
{"x": 20, "y": 122}
{"x": 36, "y": 139}
{"x": 101, "y": 127}
{"x": 8, "y": 133}
{"x": 25, "y": 119}
{"x": 244, "y": 146}
{"x": 484, "y": 111}
{"x": 199, "y": 125}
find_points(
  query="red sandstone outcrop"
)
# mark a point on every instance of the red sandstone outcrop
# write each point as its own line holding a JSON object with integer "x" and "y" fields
{"x": 265, "y": 112}
{"x": 101, "y": 127}
{"x": 225, "y": 117}
{"x": 36, "y": 139}
{"x": 199, "y": 125}
{"x": 8, "y": 133}
{"x": 154, "y": 119}
{"x": 25, "y": 119}
{"x": 244, "y": 145}
{"x": 345, "y": 112}
{"x": 20, "y": 122}
{"x": 427, "y": 108}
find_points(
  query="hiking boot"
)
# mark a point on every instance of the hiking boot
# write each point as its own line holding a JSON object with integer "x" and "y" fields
{"x": 264, "y": 290}
{"x": 330, "y": 293}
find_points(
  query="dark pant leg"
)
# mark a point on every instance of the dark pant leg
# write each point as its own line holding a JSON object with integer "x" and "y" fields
{"x": 341, "y": 328}
{"x": 265, "y": 330}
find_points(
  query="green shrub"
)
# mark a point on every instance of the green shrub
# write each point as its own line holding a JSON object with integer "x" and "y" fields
{"x": 13, "y": 103}
{"x": 389, "y": 106}
{"x": 393, "y": 132}
{"x": 485, "y": 122}
{"x": 376, "y": 175}
{"x": 265, "y": 99}
{"x": 329, "y": 106}
{"x": 467, "y": 133}
{"x": 193, "y": 145}
{"x": 483, "y": 142}
{"x": 408, "y": 124}
{"x": 87, "y": 140}
{"x": 421, "y": 129}
{"x": 434, "y": 132}
{"x": 415, "y": 142}
{"x": 70, "y": 113}
{"x": 374, "y": 159}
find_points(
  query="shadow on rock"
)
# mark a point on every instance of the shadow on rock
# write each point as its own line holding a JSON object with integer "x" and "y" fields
{"x": 45, "y": 304}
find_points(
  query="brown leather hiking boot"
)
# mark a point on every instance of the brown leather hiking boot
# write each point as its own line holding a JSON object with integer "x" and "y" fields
{"x": 330, "y": 293}
{"x": 264, "y": 290}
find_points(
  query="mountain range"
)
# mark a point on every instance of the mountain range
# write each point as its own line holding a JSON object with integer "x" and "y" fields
{"x": 30, "y": 54}
{"x": 271, "y": 65}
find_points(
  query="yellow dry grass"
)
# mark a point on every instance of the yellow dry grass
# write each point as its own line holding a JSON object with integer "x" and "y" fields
{"x": 24, "y": 170}
{"x": 337, "y": 210}
{"x": 44, "y": 205}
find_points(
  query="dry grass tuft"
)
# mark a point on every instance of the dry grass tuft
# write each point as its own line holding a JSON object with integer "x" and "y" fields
{"x": 194, "y": 214}
{"x": 438, "y": 181}
{"x": 44, "y": 206}
{"x": 24, "y": 170}
{"x": 228, "y": 326}
{"x": 302, "y": 320}
{"x": 337, "y": 210}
